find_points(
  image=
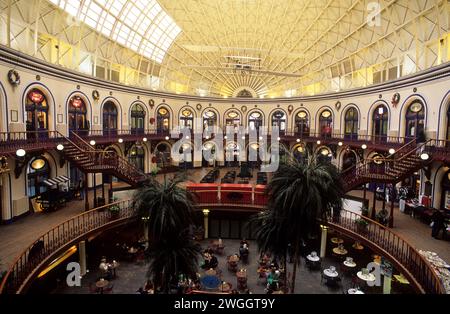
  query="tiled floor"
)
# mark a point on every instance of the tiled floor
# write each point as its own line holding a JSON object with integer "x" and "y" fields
{"x": 131, "y": 276}
{"x": 17, "y": 236}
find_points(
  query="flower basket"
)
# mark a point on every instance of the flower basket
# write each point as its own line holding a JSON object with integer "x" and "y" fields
{"x": 361, "y": 225}
{"x": 114, "y": 211}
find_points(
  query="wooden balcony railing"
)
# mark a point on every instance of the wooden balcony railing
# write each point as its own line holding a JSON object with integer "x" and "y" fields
{"x": 26, "y": 266}
{"x": 413, "y": 265}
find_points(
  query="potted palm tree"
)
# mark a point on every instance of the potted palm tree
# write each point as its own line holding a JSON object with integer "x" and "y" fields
{"x": 361, "y": 225}
{"x": 172, "y": 250}
{"x": 300, "y": 194}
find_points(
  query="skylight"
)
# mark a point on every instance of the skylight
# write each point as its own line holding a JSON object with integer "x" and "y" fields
{"x": 141, "y": 25}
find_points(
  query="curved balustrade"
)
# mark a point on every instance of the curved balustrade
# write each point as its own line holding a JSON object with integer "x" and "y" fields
{"x": 413, "y": 265}
{"x": 56, "y": 239}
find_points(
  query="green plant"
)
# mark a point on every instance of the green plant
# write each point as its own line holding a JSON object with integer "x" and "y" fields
{"x": 364, "y": 211}
{"x": 382, "y": 217}
{"x": 361, "y": 223}
{"x": 300, "y": 193}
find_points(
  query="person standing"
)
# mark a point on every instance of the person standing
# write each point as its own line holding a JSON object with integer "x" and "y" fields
{"x": 437, "y": 223}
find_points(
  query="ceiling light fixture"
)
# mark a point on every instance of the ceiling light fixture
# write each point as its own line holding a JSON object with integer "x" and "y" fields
{"x": 21, "y": 152}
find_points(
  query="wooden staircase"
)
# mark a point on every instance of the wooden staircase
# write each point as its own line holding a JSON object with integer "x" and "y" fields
{"x": 89, "y": 160}
{"x": 392, "y": 169}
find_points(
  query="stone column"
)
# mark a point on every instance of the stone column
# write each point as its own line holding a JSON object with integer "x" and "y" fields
{"x": 206, "y": 222}
{"x": 387, "y": 281}
{"x": 323, "y": 241}
{"x": 82, "y": 254}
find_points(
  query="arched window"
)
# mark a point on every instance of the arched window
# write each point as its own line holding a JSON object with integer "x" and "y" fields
{"x": 163, "y": 155}
{"x": 187, "y": 154}
{"x": 209, "y": 119}
{"x": 109, "y": 118}
{"x": 136, "y": 156}
{"x": 300, "y": 152}
{"x": 415, "y": 120}
{"x": 279, "y": 120}
{"x": 137, "y": 119}
{"x": 324, "y": 155}
{"x": 380, "y": 120}
{"x": 349, "y": 159}
{"x": 187, "y": 119}
{"x": 163, "y": 120}
{"x": 302, "y": 124}
{"x": 326, "y": 123}
{"x": 351, "y": 124}
{"x": 232, "y": 152}
{"x": 77, "y": 116}
{"x": 233, "y": 118}
{"x": 38, "y": 171}
{"x": 36, "y": 108}
{"x": 255, "y": 120}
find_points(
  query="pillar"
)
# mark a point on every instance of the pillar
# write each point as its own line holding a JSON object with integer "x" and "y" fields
{"x": 391, "y": 215}
{"x": 206, "y": 222}
{"x": 323, "y": 241}
{"x": 374, "y": 211}
{"x": 86, "y": 192}
{"x": 95, "y": 191}
{"x": 384, "y": 197}
{"x": 82, "y": 254}
{"x": 387, "y": 281}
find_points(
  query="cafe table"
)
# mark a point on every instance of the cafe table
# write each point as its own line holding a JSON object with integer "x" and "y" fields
{"x": 234, "y": 258}
{"x": 339, "y": 251}
{"x": 349, "y": 264}
{"x": 101, "y": 284}
{"x": 337, "y": 240}
{"x": 225, "y": 287}
{"x": 313, "y": 258}
{"x": 358, "y": 246}
{"x": 331, "y": 274}
{"x": 366, "y": 277}
{"x": 211, "y": 272}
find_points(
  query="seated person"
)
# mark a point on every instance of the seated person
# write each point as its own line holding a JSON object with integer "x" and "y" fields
{"x": 244, "y": 242}
{"x": 210, "y": 261}
{"x": 105, "y": 269}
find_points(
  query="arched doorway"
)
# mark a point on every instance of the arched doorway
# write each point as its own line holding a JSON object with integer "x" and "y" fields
{"x": 326, "y": 123}
{"x": 380, "y": 121}
{"x": 253, "y": 157}
{"x": 448, "y": 124}
{"x": 163, "y": 121}
{"x": 232, "y": 153}
{"x": 209, "y": 119}
{"x": 279, "y": 120}
{"x": 36, "y": 107}
{"x": 300, "y": 152}
{"x": 351, "y": 124}
{"x": 209, "y": 148}
{"x": 324, "y": 155}
{"x": 163, "y": 155}
{"x": 110, "y": 115}
{"x": 187, "y": 153}
{"x": 137, "y": 117}
{"x": 415, "y": 121}
{"x": 136, "y": 156}
{"x": 187, "y": 119}
{"x": 255, "y": 120}
{"x": 302, "y": 124}
{"x": 349, "y": 159}
{"x": 233, "y": 119}
{"x": 77, "y": 116}
{"x": 37, "y": 172}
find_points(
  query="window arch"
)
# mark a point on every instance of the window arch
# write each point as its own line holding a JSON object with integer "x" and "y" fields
{"x": 137, "y": 117}
{"x": 351, "y": 124}
{"x": 186, "y": 119}
{"x": 279, "y": 120}
{"x": 136, "y": 156}
{"x": 302, "y": 123}
{"x": 324, "y": 154}
{"x": 326, "y": 123}
{"x": 445, "y": 186}
{"x": 380, "y": 119}
{"x": 36, "y": 107}
{"x": 349, "y": 159}
{"x": 78, "y": 116}
{"x": 415, "y": 120}
{"x": 209, "y": 119}
{"x": 255, "y": 120}
{"x": 163, "y": 120}
{"x": 233, "y": 118}
{"x": 110, "y": 115}
{"x": 163, "y": 155}
{"x": 37, "y": 172}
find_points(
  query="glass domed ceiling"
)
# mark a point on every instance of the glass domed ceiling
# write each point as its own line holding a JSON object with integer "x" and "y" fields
{"x": 218, "y": 48}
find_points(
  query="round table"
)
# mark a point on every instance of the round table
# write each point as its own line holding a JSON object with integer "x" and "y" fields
{"x": 210, "y": 282}
{"x": 241, "y": 274}
{"x": 233, "y": 258}
{"x": 354, "y": 291}
{"x": 225, "y": 287}
{"x": 339, "y": 251}
{"x": 369, "y": 277}
{"x": 349, "y": 264}
{"x": 331, "y": 274}
{"x": 313, "y": 258}
{"x": 358, "y": 246}
{"x": 101, "y": 284}
{"x": 337, "y": 240}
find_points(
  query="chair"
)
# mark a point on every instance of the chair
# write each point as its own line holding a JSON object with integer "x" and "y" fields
{"x": 108, "y": 289}
{"x": 93, "y": 288}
